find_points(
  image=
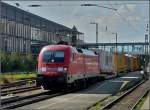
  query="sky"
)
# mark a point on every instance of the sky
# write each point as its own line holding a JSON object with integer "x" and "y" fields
{"x": 129, "y": 21}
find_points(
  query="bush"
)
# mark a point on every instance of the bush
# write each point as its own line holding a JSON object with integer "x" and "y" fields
{"x": 28, "y": 63}
{"x": 5, "y": 62}
{"x": 16, "y": 62}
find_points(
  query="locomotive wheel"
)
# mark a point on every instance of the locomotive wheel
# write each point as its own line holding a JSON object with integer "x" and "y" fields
{"x": 84, "y": 83}
{"x": 77, "y": 84}
{"x": 74, "y": 84}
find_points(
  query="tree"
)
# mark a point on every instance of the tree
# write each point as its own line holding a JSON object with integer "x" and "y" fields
{"x": 5, "y": 62}
{"x": 15, "y": 61}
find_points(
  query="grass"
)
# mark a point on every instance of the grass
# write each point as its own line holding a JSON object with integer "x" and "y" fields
{"x": 13, "y": 77}
{"x": 102, "y": 103}
{"x": 140, "y": 103}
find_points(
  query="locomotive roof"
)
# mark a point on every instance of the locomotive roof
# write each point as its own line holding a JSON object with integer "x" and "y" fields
{"x": 85, "y": 51}
{"x": 57, "y": 46}
{"x": 74, "y": 49}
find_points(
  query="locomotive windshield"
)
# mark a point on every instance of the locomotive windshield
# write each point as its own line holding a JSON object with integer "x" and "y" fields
{"x": 53, "y": 56}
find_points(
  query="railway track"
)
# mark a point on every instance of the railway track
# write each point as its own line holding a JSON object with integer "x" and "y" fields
{"x": 28, "y": 81}
{"x": 18, "y": 90}
{"x": 137, "y": 102}
{"x": 128, "y": 99}
{"x": 22, "y": 101}
{"x": 19, "y": 101}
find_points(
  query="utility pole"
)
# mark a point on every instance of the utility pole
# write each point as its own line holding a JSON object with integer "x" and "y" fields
{"x": 146, "y": 46}
{"x": 96, "y": 31}
{"x": 116, "y": 42}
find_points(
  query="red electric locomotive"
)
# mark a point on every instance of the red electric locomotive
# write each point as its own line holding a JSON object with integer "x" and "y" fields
{"x": 64, "y": 65}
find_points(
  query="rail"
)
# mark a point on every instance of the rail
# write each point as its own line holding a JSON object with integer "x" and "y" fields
{"x": 18, "y": 83}
{"x": 18, "y": 90}
{"x": 22, "y": 101}
{"x": 113, "y": 103}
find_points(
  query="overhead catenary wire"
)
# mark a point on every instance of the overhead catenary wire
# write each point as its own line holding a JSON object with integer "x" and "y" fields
{"x": 61, "y": 5}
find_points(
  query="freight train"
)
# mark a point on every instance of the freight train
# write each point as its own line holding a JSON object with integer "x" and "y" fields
{"x": 63, "y": 65}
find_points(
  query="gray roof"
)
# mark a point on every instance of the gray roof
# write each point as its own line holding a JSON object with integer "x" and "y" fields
{"x": 53, "y": 25}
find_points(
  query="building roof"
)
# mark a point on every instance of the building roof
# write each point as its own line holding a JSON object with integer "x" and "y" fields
{"x": 58, "y": 27}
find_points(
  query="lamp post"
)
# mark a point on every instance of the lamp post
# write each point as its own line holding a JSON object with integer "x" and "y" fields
{"x": 96, "y": 30}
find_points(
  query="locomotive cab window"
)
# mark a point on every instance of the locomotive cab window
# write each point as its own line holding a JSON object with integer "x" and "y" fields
{"x": 53, "y": 56}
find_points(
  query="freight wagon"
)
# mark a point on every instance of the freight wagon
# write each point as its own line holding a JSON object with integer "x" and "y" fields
{"x": 106, "y": 63}
{"x": 120, "y": 62}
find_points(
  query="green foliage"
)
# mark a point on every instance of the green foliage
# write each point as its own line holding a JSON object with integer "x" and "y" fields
{"x": 5, "y": 62}
{"x": 17, "y": 62}
{"x": 9, "y": 77}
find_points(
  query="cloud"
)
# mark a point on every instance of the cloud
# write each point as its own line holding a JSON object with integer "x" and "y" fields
{"x": 131, "y": 7}
{"x": 122, "y": 9}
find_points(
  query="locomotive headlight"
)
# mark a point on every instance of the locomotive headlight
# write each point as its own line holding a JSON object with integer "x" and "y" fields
{"x": 65, "y": 69}
{"x": 43, "y": 69}
{"x": 142, "y": 72}
{"x": 60, "y": 69}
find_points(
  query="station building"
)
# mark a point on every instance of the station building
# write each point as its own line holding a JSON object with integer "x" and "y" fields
{"x": 24, "y": 32}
